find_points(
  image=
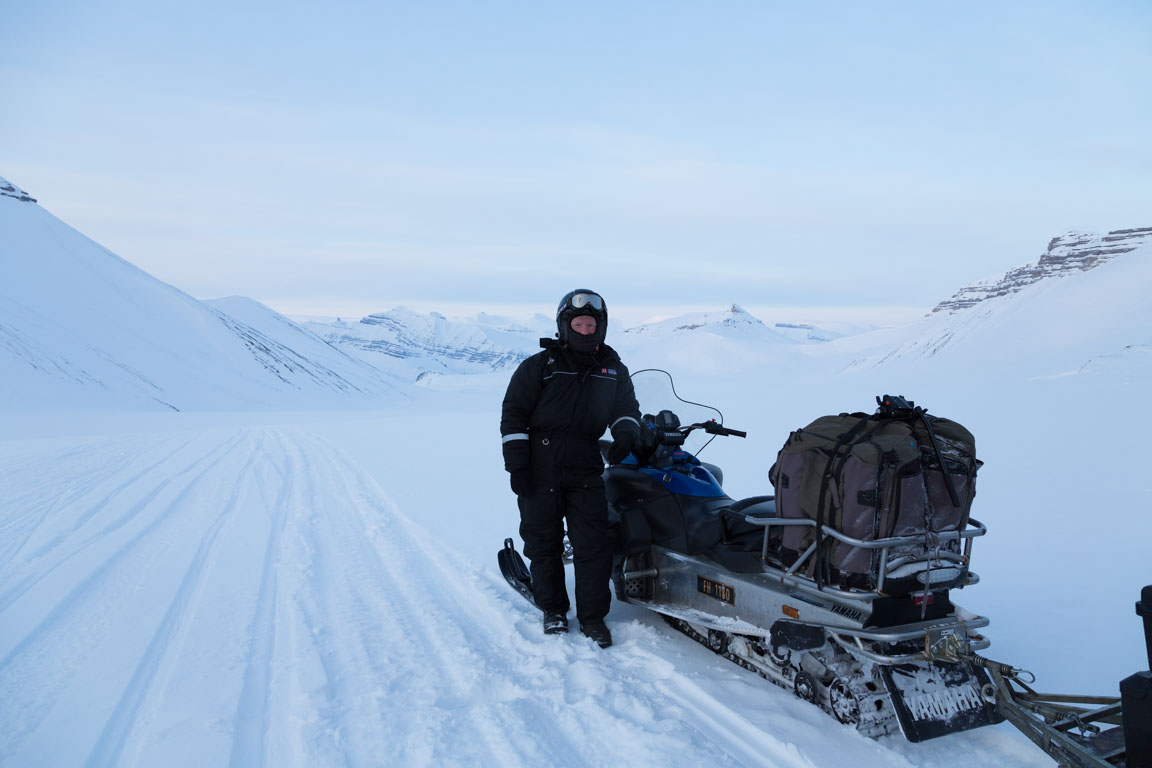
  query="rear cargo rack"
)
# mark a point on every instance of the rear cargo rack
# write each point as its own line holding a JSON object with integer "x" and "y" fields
{"x": 971, "y": 531}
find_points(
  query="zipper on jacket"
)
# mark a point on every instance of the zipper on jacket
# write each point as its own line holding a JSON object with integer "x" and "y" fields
{"x": 579, "y": 399}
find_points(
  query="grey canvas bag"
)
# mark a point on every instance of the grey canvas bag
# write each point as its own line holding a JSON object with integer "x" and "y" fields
{"x": 871, "y": 477}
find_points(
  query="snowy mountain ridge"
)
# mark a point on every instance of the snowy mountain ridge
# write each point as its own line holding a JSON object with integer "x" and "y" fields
{"x": 1067, "y": 254}
{"x": 410, "y": 344}
{"x": 82, "y": 326}
{"x": 76, "y": 318}
{"x": 1053, "y": 311}
{"x": 282, "y": 347}
{"x": 413, "y": 345}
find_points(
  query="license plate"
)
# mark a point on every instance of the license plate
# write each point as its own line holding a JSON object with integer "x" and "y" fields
{"x": 934, "y": 699}
{"x": 943, "y": 704}
{"x": 715, "y": 589}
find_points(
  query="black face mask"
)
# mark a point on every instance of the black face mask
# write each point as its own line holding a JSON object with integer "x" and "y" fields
{"x": 578, "y": 343}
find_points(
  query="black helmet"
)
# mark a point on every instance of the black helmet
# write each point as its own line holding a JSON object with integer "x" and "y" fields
{"x": 576, "y": 304}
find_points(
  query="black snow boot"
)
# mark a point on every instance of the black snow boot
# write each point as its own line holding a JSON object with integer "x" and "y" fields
{"x": 598, "y": 631}
{"x": 555, "y": 623}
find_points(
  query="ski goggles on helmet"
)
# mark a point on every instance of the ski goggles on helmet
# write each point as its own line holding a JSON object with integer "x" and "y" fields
{"x": 581, "y": 300}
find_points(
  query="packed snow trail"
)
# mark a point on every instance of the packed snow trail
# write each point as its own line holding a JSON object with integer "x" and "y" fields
{"x": 251, "y": 597}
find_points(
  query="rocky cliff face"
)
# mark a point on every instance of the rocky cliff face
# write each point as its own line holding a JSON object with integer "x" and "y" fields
{"x": 8, "y": 189}
{"x": 1069, "y": 253}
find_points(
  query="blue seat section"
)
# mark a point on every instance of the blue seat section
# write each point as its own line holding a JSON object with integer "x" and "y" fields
{"x": 714, "y": 527}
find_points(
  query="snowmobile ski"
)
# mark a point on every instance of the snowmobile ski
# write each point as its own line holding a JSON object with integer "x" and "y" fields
{"x": 515, "y": 571}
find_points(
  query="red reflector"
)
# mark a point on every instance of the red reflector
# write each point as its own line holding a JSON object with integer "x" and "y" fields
{"x": 922, "y": 599}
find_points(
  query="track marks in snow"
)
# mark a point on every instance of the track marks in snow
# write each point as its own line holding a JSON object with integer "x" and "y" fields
{"x": 155, "y": 665}
{"x": 381, "y": 634}
{"x": 65, "y": 543}
{"x": 251, "y": 721}
{"x": 32, "y": 489}
{"x": 124, "y": 482}
{"x": 95, "y": 600}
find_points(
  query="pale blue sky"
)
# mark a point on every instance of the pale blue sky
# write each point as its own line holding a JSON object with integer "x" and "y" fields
{"x": 350, "y": 156}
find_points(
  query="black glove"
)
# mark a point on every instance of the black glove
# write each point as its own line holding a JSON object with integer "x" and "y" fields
{"x": 622, "y": 445}
{"x": 521, "y": 481}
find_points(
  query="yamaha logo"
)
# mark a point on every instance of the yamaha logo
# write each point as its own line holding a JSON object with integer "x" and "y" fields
{"x": 846, "y": 612}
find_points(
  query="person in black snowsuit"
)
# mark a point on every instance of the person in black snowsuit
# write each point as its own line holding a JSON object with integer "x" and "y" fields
{"x": 558, "y": 404}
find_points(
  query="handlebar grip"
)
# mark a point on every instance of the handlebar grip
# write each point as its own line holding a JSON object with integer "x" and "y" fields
{"x": 712, "y": 428}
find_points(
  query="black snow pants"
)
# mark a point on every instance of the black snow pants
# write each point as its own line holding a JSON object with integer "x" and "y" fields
{"x": 542, "y": 514}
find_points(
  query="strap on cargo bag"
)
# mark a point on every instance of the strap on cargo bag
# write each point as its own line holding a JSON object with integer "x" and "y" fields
{"x": 845, "y": 439}
{"x": 952, "y": 495}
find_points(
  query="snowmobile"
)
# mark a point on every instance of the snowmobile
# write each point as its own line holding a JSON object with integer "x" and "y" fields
{"x": 885, "y": 658}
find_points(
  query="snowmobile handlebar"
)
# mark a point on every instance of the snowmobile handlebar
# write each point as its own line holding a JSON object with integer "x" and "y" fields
{"x": 713, "y": 428}
{"x": 663, "y": 434}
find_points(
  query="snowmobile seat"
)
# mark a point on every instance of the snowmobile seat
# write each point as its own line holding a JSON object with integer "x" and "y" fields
{"x": 737, "y": 529}
{"x": 754, "y": 506}
{"x": 742, "y": 542}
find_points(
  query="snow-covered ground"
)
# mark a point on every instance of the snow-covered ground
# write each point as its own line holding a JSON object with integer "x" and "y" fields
{"x": 232, "y": 591}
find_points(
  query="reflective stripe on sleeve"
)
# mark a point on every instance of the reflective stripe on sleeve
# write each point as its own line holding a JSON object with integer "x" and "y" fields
{"x": 624, "y": 418}
{"x": 514, "y": 436}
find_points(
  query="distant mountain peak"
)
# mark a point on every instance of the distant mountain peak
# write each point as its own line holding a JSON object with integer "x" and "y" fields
{"x": 8, "y": 189}
{"x": 1067, "y": 254}
{"x": 733, "y": 320}
{"x": 733, "y": 317}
